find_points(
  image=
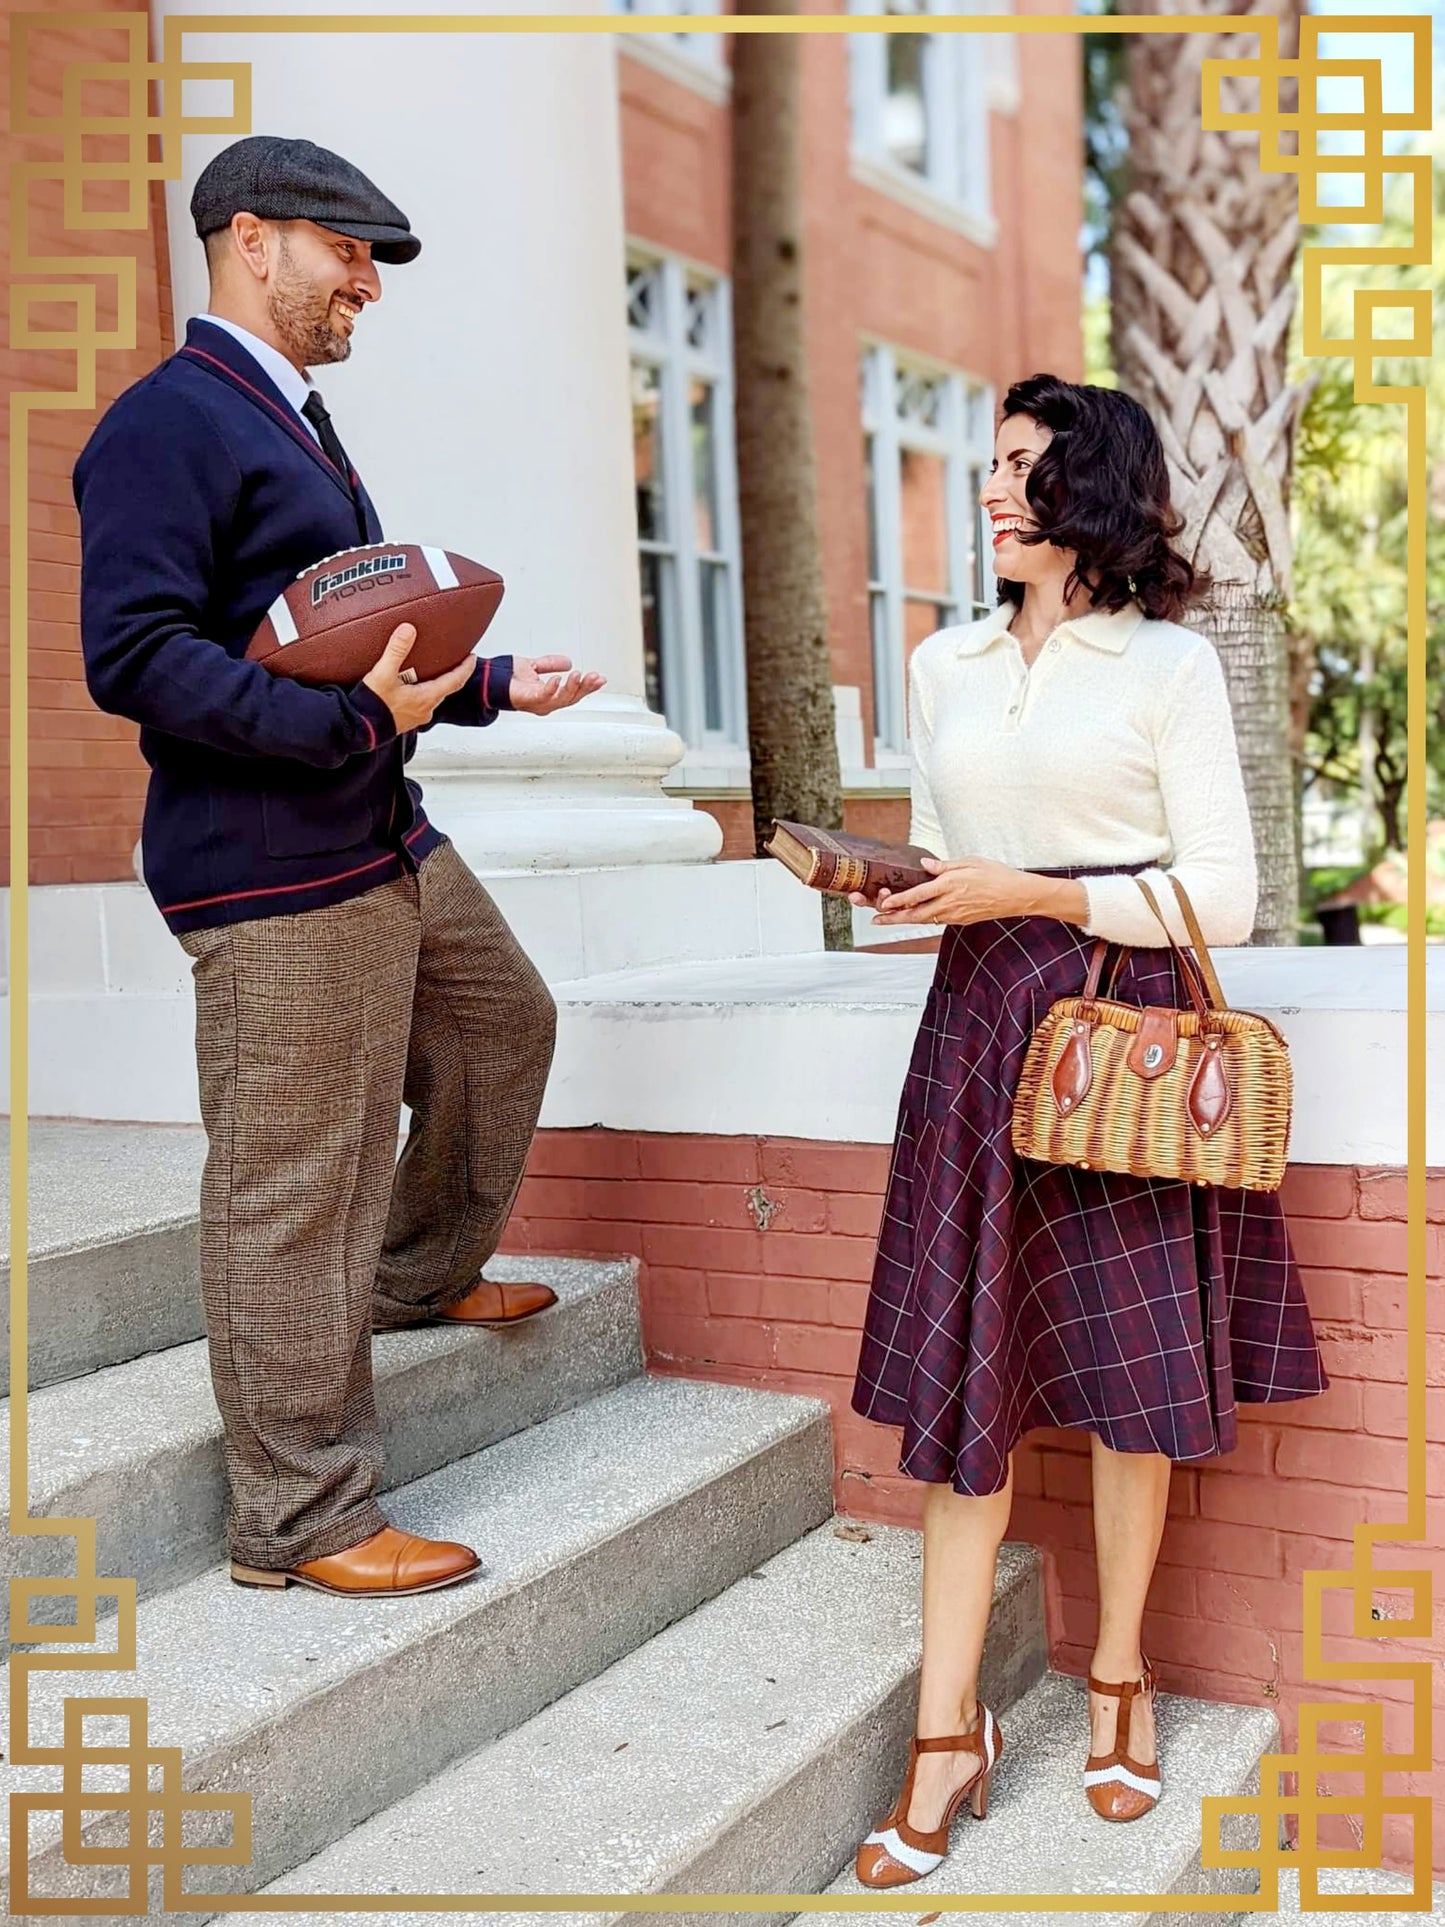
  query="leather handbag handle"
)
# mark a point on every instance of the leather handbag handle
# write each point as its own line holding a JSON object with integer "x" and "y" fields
{"x": 1096, "y": 970}
{"x": 1201, "y": 956}
{"x": 1201, "y": 948}
{"x": 1187, "y": 967}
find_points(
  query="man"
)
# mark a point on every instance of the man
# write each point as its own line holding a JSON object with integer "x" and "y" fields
{"x": 346, "y": 960}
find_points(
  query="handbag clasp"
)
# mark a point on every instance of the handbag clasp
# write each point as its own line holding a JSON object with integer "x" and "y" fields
{"x": 1156, "y": 1043}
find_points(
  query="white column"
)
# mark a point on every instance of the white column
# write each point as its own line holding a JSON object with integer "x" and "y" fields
{"x": 486, "y": 400}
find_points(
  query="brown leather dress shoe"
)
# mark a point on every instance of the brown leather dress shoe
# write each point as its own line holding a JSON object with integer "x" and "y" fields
{"x": 495, "y": 1305}
{"x": 385, "y": 1566}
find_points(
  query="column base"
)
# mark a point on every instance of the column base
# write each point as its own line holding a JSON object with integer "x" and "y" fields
{"x": 580, "y": 790}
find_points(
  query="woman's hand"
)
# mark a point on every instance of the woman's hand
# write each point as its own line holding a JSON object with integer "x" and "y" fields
{"x": 973, "y": 890}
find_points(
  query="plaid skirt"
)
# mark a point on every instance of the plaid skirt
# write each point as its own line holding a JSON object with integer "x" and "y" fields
{"x": 1009, "y": 1294}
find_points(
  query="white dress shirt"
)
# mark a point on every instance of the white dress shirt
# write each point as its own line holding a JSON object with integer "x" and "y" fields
{"x": 285, "y": 374}
{"x": 1116, "y": 746}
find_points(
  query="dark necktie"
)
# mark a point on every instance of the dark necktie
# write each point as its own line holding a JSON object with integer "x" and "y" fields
{"x": 315, "y": 413}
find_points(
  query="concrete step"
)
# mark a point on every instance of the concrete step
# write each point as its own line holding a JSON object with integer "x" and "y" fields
{"x": 1042, "y": 1837}
{"x": 597, "y": 1529}
{"x": 112, "y": 1248}
{"x": 137, "y": 1447}
{"x": 744, "y": 1750}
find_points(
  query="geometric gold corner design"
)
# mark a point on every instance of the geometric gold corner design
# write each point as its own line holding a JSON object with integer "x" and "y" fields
{"x": 70, "y": 285}
{"x": 1370, "y": 164}
{"x": 153, "y": 1799}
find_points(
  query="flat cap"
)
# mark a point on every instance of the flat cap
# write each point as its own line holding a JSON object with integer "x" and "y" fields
{"x": 283, "y": 180}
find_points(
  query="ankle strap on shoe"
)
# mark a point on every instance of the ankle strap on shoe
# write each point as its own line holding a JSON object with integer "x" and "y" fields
{"x": 949, "y": 1743}
{"x": 1124, "y": 1690}
{"x": 974, "y": 1742}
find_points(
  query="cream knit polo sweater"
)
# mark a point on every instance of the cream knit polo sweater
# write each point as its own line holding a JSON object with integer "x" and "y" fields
{"x": 1115, "y": 747}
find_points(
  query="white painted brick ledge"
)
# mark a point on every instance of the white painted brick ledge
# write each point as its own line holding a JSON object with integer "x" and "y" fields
{"x": 781, "y": 1040}
{"x": 817, "y": 1047}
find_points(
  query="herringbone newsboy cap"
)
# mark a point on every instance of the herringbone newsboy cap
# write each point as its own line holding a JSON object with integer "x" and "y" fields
{"x": 285, "y": 180}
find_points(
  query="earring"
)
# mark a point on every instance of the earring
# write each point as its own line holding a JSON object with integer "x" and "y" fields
{"x": 1133, "y": 586}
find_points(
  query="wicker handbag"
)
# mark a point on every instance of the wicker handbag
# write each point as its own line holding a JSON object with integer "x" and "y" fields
{"x": 1202, "y": 1094}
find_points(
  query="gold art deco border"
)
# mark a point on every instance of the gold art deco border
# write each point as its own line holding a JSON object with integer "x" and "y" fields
{"x": 148, "y": 1763}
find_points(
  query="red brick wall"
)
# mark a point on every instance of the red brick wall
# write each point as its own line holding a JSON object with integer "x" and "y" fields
{"x": 877, "y": 268}
{"x": 782, "y": 1308}
{"x": 675, "y": 179}
{"x": 87, "y": 780}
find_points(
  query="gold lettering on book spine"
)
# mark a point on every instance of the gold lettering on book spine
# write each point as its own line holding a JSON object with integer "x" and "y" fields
{"x": 845, "y": 867}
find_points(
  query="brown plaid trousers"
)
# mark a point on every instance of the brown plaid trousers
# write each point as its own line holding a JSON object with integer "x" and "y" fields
{"x": 311, "y": 1030}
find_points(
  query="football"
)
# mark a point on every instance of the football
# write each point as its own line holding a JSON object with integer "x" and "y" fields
{"x": 334, "y": 621}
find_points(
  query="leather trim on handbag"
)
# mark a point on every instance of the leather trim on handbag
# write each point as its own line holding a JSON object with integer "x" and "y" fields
{"x": 1202, "y": 1093}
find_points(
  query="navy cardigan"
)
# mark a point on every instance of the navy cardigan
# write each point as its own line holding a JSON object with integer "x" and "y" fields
{"x": 201, "y": 496}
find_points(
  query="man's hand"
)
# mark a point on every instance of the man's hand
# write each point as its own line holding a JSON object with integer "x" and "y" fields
{"x": 412, "y": 703}
{"x": 541, "y": 684}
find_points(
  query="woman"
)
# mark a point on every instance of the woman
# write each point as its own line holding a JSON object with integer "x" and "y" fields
{"x": 1073, "y": 739}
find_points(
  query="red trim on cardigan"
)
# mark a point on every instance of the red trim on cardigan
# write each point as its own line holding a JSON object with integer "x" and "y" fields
{"x": 288, "y": 420}
{"x": 290, "y": 889}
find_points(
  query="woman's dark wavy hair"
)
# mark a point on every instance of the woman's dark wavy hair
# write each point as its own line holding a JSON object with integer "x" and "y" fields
{"x": 1101, "y": 489}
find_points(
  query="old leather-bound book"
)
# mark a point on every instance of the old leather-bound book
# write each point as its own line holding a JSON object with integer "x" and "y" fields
{"x": 829, "y": 860}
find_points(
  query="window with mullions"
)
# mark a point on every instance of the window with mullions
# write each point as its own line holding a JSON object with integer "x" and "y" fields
{"x": 927, "y": 444}
{"x": 920, "y": 107}
{"x": 705, "y": 48}
{"x": 679, "y": 330}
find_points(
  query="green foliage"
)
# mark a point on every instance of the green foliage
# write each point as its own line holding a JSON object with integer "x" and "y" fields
{"x": 1098, "y": 348}
{"x": 1106, "y": 145}
{"x": 1348, "y": 610}
{"x": 1351, "y": 522}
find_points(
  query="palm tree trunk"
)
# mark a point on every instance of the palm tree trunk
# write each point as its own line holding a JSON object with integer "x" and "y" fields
{"x": 791, "y": 733}
{"x": 1248, "y": 630}
{"x": 1202, "y": 291}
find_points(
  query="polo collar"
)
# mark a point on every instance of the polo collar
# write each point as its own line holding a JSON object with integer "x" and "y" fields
{"x": 1106, "y": 629}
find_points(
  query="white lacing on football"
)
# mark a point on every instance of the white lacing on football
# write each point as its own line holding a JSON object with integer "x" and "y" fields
{"x": 357, "y": 548}
{"x": 1120, "y": 1775}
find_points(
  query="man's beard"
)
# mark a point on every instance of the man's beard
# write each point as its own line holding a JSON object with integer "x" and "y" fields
{"x": 301, "y": 315}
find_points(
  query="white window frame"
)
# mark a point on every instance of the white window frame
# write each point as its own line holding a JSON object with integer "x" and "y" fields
{"x": 964, "y": 439}
{"x": 697, "y": 60}
{"x": 955, "y": 186}
{"x": 666, "y": 348}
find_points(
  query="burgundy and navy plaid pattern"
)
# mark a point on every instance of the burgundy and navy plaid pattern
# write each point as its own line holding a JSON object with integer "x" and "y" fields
{"x": 1009, "y": 1294}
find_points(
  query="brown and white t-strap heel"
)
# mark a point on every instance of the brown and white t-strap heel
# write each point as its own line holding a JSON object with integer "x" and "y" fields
{"x": 1118, "y": 1786}
{"x": 896, "y": 1853}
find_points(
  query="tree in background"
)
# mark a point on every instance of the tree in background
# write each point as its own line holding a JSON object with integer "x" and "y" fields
{"x": 1348, "y": 609}
{"x": 1201, "y": 276}
{"x": 791, "y": 734}
{"x": 1105, "y": 147}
